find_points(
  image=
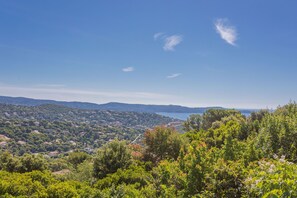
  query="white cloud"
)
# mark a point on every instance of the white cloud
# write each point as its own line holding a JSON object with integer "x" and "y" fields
{"x": 174, "y": 75}
{"x": 171, "y": 42}
{"x": 68, "y": 94}
{"x": 226, "y": 31}
{"x": 128, "y": 69}
{"x": 50, "y": 85}
{"x": 158, "y": 35}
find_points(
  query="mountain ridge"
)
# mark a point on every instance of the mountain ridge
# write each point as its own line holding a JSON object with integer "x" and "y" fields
{"x": 115, "y": 106}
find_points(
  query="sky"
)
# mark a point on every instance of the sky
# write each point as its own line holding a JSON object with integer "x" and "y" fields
{"x": 236, "y": 54}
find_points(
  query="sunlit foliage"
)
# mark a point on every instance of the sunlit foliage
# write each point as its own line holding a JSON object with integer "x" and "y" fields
{"x": 222, "y": 154}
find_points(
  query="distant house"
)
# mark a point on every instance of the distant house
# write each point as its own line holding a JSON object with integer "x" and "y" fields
{"x": 53, "y": 153}
{"x": 59, "y": 141}
{"x": 36, "y": 132}
{"x": 72, "y": 143}
{"x": 62, "y": 172}
{"x": 88, "y": 150}
{"x": 21, "y": 142}
{"x": 3, "y": 144}
{"x": 174, "y": 124}
{"x": 4, "y": 138}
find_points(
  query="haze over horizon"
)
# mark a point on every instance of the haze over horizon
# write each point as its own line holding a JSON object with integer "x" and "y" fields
{"x": 231, "y": 54}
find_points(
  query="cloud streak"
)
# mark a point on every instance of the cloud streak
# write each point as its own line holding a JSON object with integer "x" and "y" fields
{"x": 128, "y": 69}
{"x": 174, "y": 75}
{"x": 158, "y": 35}
{"x": 170, "y": 42}
{"x": 68, "y": 94}
{"x": 50, "y": 85}
{"x": 227, "y": 32}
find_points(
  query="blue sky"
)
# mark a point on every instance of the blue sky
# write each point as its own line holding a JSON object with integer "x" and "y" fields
{"x": 240, "y": 54}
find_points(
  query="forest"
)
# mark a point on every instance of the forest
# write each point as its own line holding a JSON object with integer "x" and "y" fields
{"x": 222, "y": 153}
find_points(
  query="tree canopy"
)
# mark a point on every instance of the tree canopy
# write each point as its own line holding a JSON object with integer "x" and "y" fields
{"x": 222, "y": 154}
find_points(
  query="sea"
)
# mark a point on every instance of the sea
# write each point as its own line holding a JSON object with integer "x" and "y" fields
{"x": 180, "y": 116}
{"x": 184, "y": 116}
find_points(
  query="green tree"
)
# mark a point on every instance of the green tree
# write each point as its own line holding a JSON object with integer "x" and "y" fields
{"x": 76, "y": 158}
{"x": 62, "y": 190}
{"x": 162, "y": 143}
{"x": 194, "y": 122}
{"x": 213, "y": 115}
{"x": 111, "y": 157}
{"x": 9, "y": 163}
{"x": 226, "y": 179}
{"x": 32, "y": 162}
{"x": 134, "y": 175}
{"x": 271, "y": 178}
{"x": 195, "y": 166}
{"x": 168, "y": 179}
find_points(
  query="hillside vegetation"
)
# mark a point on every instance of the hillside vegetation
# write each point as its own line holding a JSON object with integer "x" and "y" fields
{"x": 222, "y": 154}
{"x": 59, "y": 129}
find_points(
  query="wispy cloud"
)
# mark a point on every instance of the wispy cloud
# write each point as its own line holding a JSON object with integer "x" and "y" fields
{"x": 170, "y": 42}
{"x": 174, "y": 75}
{"x": 158, "y": 35}
{"x": 50, "y": 85}
{"x": 226, "y": 31}
{"x": 68, "y": 94}
{"x": 128, "y": 69}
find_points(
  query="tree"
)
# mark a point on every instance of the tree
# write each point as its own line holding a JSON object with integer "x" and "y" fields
{"x": 32, "y": 162}
{"x": 258, "y": 115}
{"x": 194, "y": 122}
{"x": 63, "y": 189}
{"x": 271, "y": 178}
{"x": 77, "y": 158}
{"x": 111, "y": 157}
{"x": 168, "y": 177}
{"x": 134, "y": 175}
{"x": 213, "y": 115}
{"x": 195, "y": 166}
{"x": 9, "y": 163}
{"x": 162, "y": 143}
{"x": 227, "y": 179}
{"x": 278, "y": 133}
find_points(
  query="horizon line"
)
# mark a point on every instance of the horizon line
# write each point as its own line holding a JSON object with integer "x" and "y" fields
{"x": 148, "y": 104}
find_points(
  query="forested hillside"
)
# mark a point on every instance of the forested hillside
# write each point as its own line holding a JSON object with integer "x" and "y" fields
{"x": 114, "y": 106}
{"x": 222, "y": 154}
{"x": 58, "y": 129}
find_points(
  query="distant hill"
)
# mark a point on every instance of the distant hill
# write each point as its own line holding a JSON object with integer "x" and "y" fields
{"x": 115, "y": 106}
{"x": 153, "y": 108}
{"x": 53, "y": 112}
{"x": 50, "y": 127}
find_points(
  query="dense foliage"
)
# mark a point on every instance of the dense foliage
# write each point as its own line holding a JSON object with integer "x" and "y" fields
{"x": 56, "y": 129}
{"x": 223, "y": 154}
